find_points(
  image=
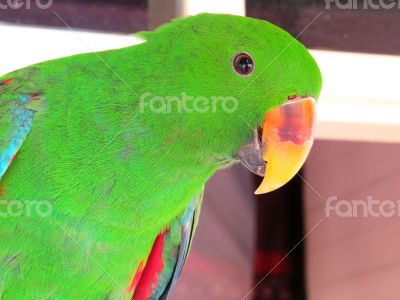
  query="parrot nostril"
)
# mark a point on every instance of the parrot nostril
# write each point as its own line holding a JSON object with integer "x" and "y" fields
{"x": 293, "y": 97}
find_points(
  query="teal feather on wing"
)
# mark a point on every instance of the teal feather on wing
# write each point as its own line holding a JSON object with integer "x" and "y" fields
{"x": 15, "y": 120}
{"x": 167, "y": 257}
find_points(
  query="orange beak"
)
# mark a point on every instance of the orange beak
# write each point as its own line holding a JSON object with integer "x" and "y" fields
{"x": 287, "y": 137}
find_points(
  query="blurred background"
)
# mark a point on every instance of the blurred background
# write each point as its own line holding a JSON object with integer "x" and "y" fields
{"x": 306, "y": 240}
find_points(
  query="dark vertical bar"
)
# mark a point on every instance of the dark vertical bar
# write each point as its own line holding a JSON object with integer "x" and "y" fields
{"x": 279, "y": 230}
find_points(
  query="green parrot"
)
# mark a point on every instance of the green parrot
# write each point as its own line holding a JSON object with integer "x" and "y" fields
{"x": 104, "y": 156}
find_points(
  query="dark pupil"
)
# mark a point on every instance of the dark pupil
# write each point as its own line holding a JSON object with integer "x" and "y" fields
{"x": 244, "y": 65}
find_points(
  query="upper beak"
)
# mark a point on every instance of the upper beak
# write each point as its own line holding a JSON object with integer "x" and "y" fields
{"x": 285, "y": 142}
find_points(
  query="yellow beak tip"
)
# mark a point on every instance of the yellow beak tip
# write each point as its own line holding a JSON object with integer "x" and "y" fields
{"x": 265, "y": 190}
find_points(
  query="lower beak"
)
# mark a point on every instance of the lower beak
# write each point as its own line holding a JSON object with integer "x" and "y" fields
{"x": 286, "y": 140}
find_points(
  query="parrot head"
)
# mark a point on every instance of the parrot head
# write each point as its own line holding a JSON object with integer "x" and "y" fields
{"x": 254, "y": 89}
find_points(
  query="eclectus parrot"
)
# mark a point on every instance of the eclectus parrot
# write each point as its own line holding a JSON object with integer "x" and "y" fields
{"x": 101, "y": 190}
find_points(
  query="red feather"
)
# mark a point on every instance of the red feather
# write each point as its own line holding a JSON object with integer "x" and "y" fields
{"x": 148, "y": 278}
{"x": 7, "y": 81}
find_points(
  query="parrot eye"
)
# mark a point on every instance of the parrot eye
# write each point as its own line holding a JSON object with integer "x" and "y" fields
{"x": 243, "y": 64}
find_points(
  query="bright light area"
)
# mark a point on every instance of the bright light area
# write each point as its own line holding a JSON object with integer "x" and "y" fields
{"x": 234, "y": 7}
{"x": 360, "y": 99}
{"x": 22, "y": 46}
